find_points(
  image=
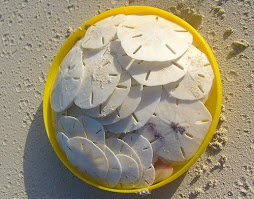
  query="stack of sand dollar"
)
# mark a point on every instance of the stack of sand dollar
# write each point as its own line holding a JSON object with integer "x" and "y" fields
{"x": 129, "y": 98}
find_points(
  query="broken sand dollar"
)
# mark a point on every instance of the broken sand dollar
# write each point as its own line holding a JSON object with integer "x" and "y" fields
{"x": 115, "y": 100}
{"x": 152, "y": 38}
{"x": 94, "y": 131}
{"x": 198, "y": 80}
{"x": 142, "y": 147}
{"x": 178, "y": 135}
{"x": 149, "y": 101}
{"x": 87, "y": 157}
{"x": 115, "y": 169}
{"x": 147, "y": 178}
{"x": 68, "y": 81}
{"x": 102, "y": 32}
{"x": 130, "y": 170}
{"x": 101, "y": 77}
{"x": 128, "y": 106}
{"x": 71, "y": 127}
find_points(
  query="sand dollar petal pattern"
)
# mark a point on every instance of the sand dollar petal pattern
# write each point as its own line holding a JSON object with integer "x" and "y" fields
{"x": 68, "y": 82}
{"x": 143, "y": 36}
{"x": 102, "y": 75}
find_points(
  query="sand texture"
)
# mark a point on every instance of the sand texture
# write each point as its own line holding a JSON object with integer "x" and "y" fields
{"x": 31, "y": 34}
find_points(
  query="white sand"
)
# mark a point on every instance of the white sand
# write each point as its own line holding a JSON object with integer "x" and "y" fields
{"x": 32, "y": 33}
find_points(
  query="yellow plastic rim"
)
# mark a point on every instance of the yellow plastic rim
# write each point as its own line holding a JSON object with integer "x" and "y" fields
{"x": 213, "y": 104}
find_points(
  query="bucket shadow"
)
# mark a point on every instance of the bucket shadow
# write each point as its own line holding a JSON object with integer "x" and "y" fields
{"x": 45, "y": 176}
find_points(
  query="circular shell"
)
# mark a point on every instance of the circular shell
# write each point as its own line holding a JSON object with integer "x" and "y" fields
{"x": 94, "y": 131}
{"x": 87, "y": 157}
{"x": 142, "y": 147}
{"x": 130, "y": 171}
{"x": 71, "y": 127}
{"x": 102, "y": 74}
{"x": 198, "y": 80}
{"x": 102, "y": 32}
{"x": 143, "y": 36}
{"x": 115, "y": 169}
{"x": 149, "y": 73}
{"x": 115, "y": 100}
{"x": 68, "y": 82}
{"x": 149, "y": 101}
{"x": 178, "y": 128}
{"x": 128, "y": 106}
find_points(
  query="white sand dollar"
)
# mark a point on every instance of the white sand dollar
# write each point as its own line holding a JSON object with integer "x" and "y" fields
{"x": 87, "y": 157}
{"x": 198, "y": 80}
{"x": 178, "y": 128}
{"x": 155, "y": 73}
{"x": 150, "y": 73}
{"x": 68, "y": 81}
{"x": 147, "y": 178}
{"x": 94, "y": 131}
{"x": 101, "y": 76}
{"x": 71, "y": 127}
{"x": 102, "y": 32}
{"x": 130, "y": 171}
{"x": 118, "y": 146}
{"x": 128, "y": 106}
{"x": 149, "y": 101}
{"x": 122, "y": 57}
{"x": 115, "y": 100}
{"x": 115, "y": 169}
{"x": 152, "y": 38}
{"x": 142, "y": 147}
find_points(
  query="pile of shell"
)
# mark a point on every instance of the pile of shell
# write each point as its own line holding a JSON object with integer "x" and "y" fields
{"x": 129, "y": 99}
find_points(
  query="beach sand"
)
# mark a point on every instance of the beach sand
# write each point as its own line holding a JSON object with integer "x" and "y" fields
{"x": 31, "y": 34}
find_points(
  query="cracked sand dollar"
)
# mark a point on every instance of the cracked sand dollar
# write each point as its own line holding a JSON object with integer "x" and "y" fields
{"x": 71, "y": 127}
{"x": 94, "y": 131}
{"x": 87, "y": 157}
{"x": 198, "y": 80}
{"x": 150, "y": 73}
{"x": 149, "y": 101}
{"x": 102, "y": 32}
{"x": 68, "y": 82}
{"x": 152, "y": 38}
{"x": 128, "y": 106}
{"x": 115, "y": 169}
{"x": 101, "y": 76}
{"x": 115, "y": 100}
{"x": 177, "y": 129}
{"x": 142, "y": 147}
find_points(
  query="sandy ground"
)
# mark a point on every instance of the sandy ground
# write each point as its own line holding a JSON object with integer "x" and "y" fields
{"x": 31, "y": 34}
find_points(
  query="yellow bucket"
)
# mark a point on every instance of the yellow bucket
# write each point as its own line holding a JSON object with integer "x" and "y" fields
{"x": 213, "y": 104}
